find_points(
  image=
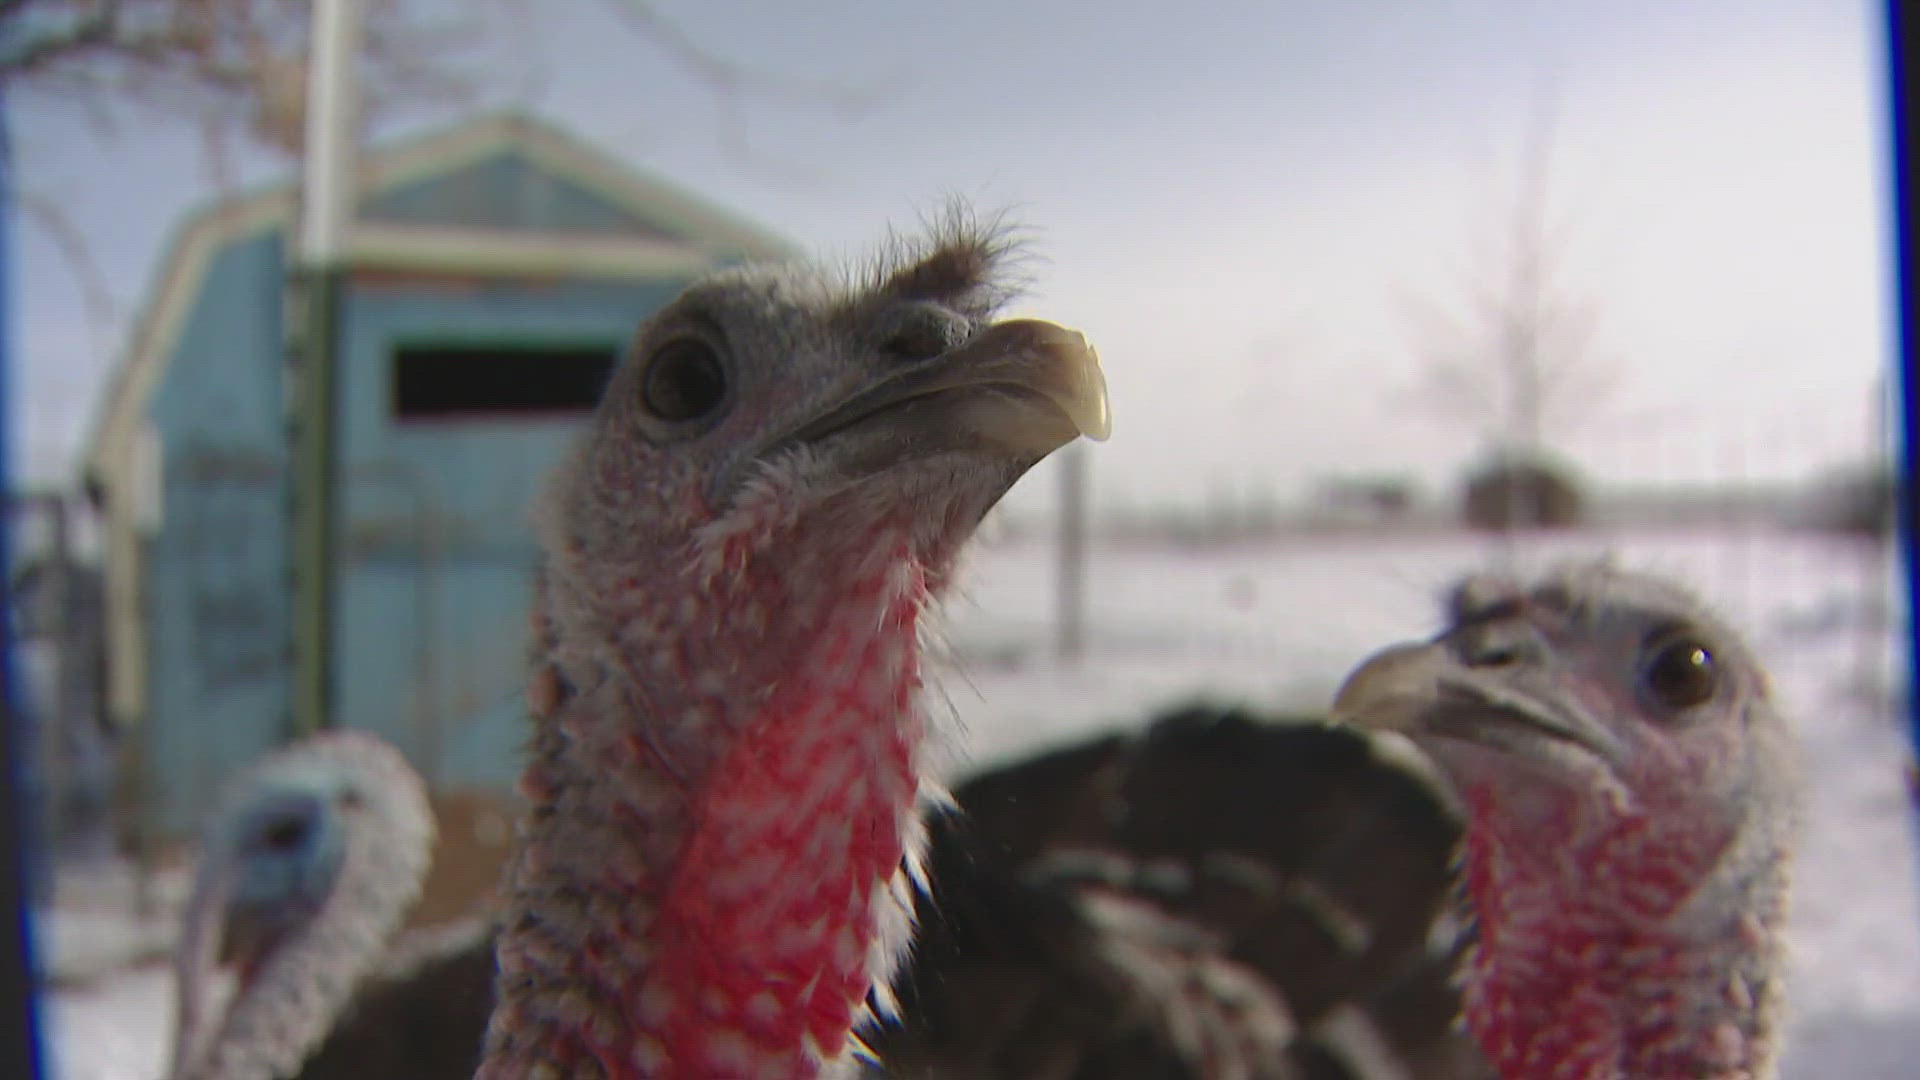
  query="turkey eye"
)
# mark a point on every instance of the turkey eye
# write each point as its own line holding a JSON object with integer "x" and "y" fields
{"x": 1680, "y": 671}
{"x": 683, "y": 381}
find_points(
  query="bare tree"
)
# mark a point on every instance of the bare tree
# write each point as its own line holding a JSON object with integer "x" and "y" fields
{"x": 236, "y": 70}
{"x": 1513, "y": 355}
{"x": 223, "y": 62}
{"x": 244, "y": 61}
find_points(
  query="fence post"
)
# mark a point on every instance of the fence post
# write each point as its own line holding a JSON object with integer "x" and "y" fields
{"x": 327, "y": 193}
{"x": 1071, "y": 586}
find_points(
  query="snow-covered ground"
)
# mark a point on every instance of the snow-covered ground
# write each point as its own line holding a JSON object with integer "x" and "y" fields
{"x": 1280, "y": 624}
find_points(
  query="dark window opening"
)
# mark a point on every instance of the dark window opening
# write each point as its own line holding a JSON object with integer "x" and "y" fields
{"x": 449, "y": 382}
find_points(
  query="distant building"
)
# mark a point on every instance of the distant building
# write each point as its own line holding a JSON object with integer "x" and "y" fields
{"x": 496, "y": 270}
{"x": 1363, "y": 499}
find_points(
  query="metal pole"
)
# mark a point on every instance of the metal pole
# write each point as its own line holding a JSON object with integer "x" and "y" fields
{"x": 1072, "y": 591}
{"x": 327, "y": 192}
{"x": 20, "y": 1044}
{"x": 326, "y": 208}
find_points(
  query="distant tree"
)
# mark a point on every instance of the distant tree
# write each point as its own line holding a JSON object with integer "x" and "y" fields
{"x": 1522, "y": 492}
{"x": 1859, "y": 499}
{"x": 222, "y": 61}
{"x": 245, "y": 60}
{"x": 237, "y": 70}
{"x": 1512, "y": 353}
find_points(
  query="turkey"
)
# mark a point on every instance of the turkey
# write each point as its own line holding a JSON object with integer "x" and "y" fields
{"x": 724, "y": 775}
{"x": 308, "y": 875}
{"x": 1221, "y": 894}
{"x": 728, "y": 725}
{"x": 421, "y": 1016}
{"x": 1632, "y": 794}
{"x": 305, "y": 874}
{"x": 1229, "y": 894}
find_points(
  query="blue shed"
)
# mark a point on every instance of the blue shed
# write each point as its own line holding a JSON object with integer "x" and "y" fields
{"x": 495, "y": 271}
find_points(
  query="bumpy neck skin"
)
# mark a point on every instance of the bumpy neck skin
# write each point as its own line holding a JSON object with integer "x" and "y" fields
{"x": 1667, "y": 965}
{"x": 722, "y": 792}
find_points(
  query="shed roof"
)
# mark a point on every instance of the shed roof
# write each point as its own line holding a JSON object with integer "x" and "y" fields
{"x": 646, "y": 226}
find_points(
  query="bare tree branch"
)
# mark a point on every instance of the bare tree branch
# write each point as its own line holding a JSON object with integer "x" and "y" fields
{"x": 97, "y": 30}
{"x": 1514, "y": 354}
{"x": 729, "y": 79}
{"x": 731, "y": 82}
{"x": 96, "y": 296}
{"x": 237, "y": 71}
{"x": 226, "y": 61}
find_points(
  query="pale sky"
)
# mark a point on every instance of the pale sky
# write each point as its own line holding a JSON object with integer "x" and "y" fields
{"x": 1235, "y": 201}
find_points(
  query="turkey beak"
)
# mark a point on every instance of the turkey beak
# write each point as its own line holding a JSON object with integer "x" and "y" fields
{"x": 1017, "y": 390}
{"x": 1026, "y": 385}
{"x": 1426, "y": 692}
{"x": 194, "y": 961}
{"x": 1392, "y": 690}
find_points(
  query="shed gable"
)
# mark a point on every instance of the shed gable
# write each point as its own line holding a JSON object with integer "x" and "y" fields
{"x": 507, "y": 191}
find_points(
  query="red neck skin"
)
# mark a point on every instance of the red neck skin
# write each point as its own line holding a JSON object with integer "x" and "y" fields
{"x": 711, "y": 880}
{"x": 1621, "y": 975}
